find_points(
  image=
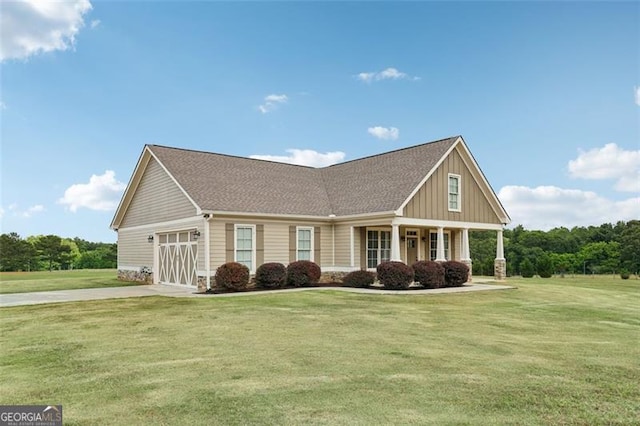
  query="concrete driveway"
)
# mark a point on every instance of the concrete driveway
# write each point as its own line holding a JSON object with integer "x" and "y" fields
{"x": 40, "y": 297}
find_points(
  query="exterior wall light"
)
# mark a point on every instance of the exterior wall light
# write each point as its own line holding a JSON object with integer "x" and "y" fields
{"x": 150, "y": 239}
{"x": 196, "y": 235}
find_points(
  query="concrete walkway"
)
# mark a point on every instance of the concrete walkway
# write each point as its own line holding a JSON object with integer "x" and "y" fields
{"x": 40, "y": 297}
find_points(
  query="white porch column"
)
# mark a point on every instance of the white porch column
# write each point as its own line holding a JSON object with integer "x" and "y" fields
{"x": 500, "y": 264}
{"x": 207, "y": 252}
{"x": 440, "y": 245}
{"x": 395, "y": 242}
{"x": 500, "y": 247}
{"x": 465, "y": 255}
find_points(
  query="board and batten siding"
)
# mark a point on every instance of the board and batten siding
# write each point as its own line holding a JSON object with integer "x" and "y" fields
{"x": 157, "y": 199}
{"x": 431, "y": 200}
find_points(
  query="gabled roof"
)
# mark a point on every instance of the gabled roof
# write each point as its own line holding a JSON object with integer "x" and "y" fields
{"x": 375, "y": 184}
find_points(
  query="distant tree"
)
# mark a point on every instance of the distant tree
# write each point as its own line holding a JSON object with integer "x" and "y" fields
{"x": 544, "y": 266}
{"x": 52, "y": 250}
{"x": 630, "y": 246}
{"x": 16, "y": 254}
{"x": 526, "y": 268}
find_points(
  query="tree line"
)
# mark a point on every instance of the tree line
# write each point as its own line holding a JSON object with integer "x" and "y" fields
{"x": 605, "y": 249}
{"x": 49, "y": 252}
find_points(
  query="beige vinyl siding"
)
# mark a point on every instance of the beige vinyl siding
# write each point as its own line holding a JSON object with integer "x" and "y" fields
{"x": 134, "y": 251}
{"x": 343, "y": 239}
{"x": 218, "y": 238}
{"x": 276, "y": 242}
{"x": 157, "y": 199}
{"x": 326, "y": 246}
{"x": 431, "y": 201}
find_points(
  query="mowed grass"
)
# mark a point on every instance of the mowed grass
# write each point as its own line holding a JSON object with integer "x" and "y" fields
{"x": 26, "y": 282}
{"x": 554, "y": 351}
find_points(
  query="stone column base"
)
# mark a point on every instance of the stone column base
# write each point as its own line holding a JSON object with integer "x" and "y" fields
{"x": 500, "y": 269}
{"x": 470, "y": 265}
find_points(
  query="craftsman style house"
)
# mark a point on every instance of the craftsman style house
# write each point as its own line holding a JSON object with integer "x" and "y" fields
{"x": 184, "y": 212}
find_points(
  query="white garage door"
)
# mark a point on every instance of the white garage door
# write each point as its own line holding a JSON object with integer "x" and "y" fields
{"x": 178, "y": 258}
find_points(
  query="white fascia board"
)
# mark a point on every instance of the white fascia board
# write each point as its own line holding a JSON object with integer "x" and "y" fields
{"x": 424, "y": 180}
{"x": 502, "y": 214}
{"x": 434, "y": 223}
{"x": 134, "y": 181}
{"x": 198, "y": 209}
{"x": 269, "y": 215}
{"x": 167, "y": 226}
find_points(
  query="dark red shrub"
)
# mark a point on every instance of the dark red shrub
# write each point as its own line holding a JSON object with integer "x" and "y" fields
{"x": 271, "y": 275}
{"x": 395, "y": 275}
{"x": 359, "y": 279}
{"x": 232, "y": 276}
{"x": 429, "y": 273}
{"x": 455, "y": 273}
{"x": 303, "y": 273}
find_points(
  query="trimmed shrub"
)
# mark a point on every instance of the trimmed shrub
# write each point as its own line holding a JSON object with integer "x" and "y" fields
{"x": 429, "y": 273}
{"x": 625, "y": 275}
{"x": 395, "y": 275}
{"x": 232, "y": 276}
{"x": 303, "y": 273}
{"x": 526, "y": 268}
{"x": 455, "y": 273}
{"x": 271, "y": 275}
{"x": 359, "y": 279}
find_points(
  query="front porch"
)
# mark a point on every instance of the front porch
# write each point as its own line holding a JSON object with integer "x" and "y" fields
{"x": 420, "y": 240}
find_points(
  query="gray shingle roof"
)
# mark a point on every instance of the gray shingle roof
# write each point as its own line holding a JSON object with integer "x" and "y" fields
{"x": 379, "y": 183}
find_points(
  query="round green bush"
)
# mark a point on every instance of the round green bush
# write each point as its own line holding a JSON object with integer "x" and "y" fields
{"x": 455, "y": 273}
{"x": 526, "y": 269}
{"x": 303, "y": 273}
{"x": 360, "y": 279}
{"x": 545, "y": 266}
{"x": 271, "y": 275}
{"x": 429, "y": 273}
{"x": 625, "y": 275}
{"x": 232, "y": 276}
{"x": 395, "y": 275}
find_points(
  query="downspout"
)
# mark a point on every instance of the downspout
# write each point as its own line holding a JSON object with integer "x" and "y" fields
{"x": 207, "y": 250}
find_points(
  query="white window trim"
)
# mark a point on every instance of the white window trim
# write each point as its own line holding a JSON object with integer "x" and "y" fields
{"x": 253, "y": 244}
{"x": 375, "y": 228}
{"x": 447, "y": 250}
{"x": 459, "y": 178}
{"x": 312, "y": 231}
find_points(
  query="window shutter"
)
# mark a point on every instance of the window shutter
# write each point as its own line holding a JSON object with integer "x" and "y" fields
{"x": 229, "y": 242}
{"x": 259, "y": 245}
{"x": 317, "y": 244}
{"x": 292, "y": 243}
{"x": 363, "y": 247}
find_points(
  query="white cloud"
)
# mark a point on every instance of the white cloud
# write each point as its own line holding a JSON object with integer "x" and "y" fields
{"x": 305, "y": 157}
{"x": 38, "y": 208}
{"x": 387, "y": 133}
{"x": 101, "y": 193}
{"x": 546, "y": 207}
{"x": 636, "y": 94}
{"x": 609, "y": 162}
{"x": 17, "y": 212}
{"x": 95, "y": 23}
{"x": 387, "y": 74}
{"x": 271, "y": 102}
{"x": 33, "y": 26}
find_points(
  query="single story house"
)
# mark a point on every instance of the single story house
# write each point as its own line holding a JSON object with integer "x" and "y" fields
{"x": 184, "y": 213}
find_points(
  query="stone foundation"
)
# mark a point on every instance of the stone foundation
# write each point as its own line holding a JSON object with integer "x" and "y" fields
{"x": 332, "y": 277}
{"x": 137, "y": 276}
{"x": 500, "y": 269}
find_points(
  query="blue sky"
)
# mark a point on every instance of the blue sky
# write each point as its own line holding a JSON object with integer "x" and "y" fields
{"x": 545, "y": 94}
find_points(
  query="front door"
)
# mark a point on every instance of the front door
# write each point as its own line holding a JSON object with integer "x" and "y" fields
{"x": 412, "y": 250}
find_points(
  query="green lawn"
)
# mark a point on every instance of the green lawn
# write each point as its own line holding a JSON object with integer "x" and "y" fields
{"x": 554, "y": 351}
{"x": 24, "y": 282}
